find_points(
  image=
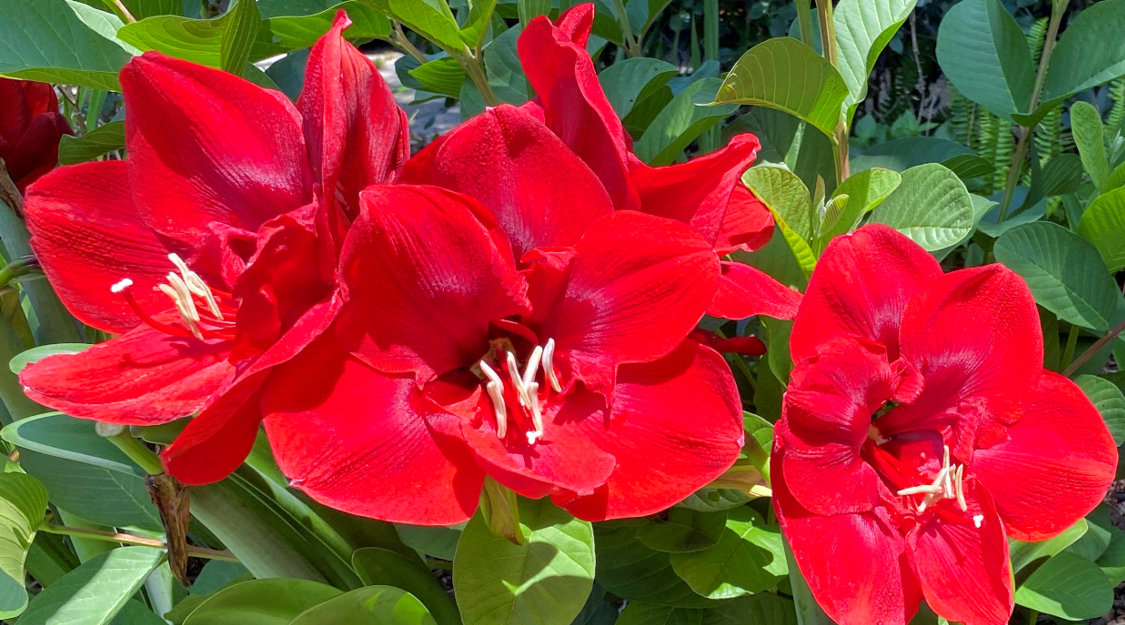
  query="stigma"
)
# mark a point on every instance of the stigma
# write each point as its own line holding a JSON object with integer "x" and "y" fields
{"x": 525, "y": 385}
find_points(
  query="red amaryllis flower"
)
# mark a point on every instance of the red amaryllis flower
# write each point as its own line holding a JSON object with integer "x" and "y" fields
{"x": 563, "y": 373}
{"x": 705, "y": 193}
{"x": 212, "y": 248}
{"x": 30, "y": 129}
{"x": 920, "y": 431}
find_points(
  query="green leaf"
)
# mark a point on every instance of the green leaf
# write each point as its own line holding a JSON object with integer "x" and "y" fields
{"x": 545, "y": 580}
{"x": 94, "y": 592}
{"x": 444, "y": 76}
{"x": 865, "y": 190}
{"x": 1062, "y": 175}
{"x": 261, "y": 602}
{"x": 983, "y": 52}
{"x": 98, "y": 495}
{"x": 58, "y": 435}
{"x": 968, "y": 166}
{"x": 931, "y": 206}
{"x": 787, "y": 75}
{"x": 475, "y": 28}
{"x": 1069, "y": 586}
{"x": 748, "y": 558}
{"x": 762, "y": 608}
{"x": 439, "y": 542}
{"x": 35, "y": 354}
{"x": 238, "y": 36}
{"x": 1089, "y": 53}
{"x": 681, "y": 122}
{"x": 1064, "y": 272}
{"x": 377, "y": 566}
{"x": 630, "y": 570}
{"x": 430, "y": 18}
{"x": 1109, "y": 401}
{"x": 714, "y": 500}
{"x": 23, "y": 503}
{"x": 863, "y": 29}
{"x": 1086, "y": 125}
{"x": 683, "y": 530}
{"x": 1112, "y": 560}
{"x": 61, "y": 41}
{"x": 1103, "y": 225}
{"x": 90, "y": 146}
{"x": 1025, "y": 553}
{"x": 788, "y": 200}
{"x": 902, "y": 154}
{"x": 641, "y": 613}
{"x": 632, "y": 80}
{"x": 373, "y": 605}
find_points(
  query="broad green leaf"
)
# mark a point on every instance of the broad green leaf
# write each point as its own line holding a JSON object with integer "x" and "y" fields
{"x": 239, "y": 32}
{"x": 94, "y": 592}
{"x": 475, "y": 28}
{"x": 983, "y": 52}
{"x": 1109, "y": 401}
{"x": 748, "y": 558}
{"x": 865, "y": 190}
{"x": 531, "y": 9}
{"x": 1103, "y": 225}
{"x": 599, "y": 610}
{"x": 58, "y": 435}
{"x": 1069, "y": 586}
{"x": 439, "y": 542}
{"x": 377, "y": 566}
{"x": 1112, "y": 560}
{"x": 1064, "y": 272}
{"x": 1025, "y": 553}
{"x": 90, "y": 146}
{"x": 217, "y": 574}
{"x": 284, "y": 33}
{"x": 1062, "y": 175}
{"x": 1099, "y": 533}
{"x": 273, "y": 8}
{"x": 1090, "y": 51}
{"x": 372, "y": 605}
{"x": 990, "y": 225}
{"x": 98, "y": 495}
{"x": 630, "y": 570}
{"x": 968, "y": 166}
{"x": 762, "y": 608}
{"x": 784, "y": 194}
{"x": 629, "y": 81}
{"x": 931, "y": 206}
{"x": 261, "y": 602}
{"x": 787, "y": 75}
{"x": 61, "y": 41}
{"x": 546, "y": 580}
{"x": 902, "y": 154}
{"x": 642, "y": 13}
{"x": 444, "y": 76}
{"x": 681, "y": 122}
{"x": 683, "y": 530}
{"x": 641, "y": 613}
{"x": 714, "y": 500}
{"x": 35, "y": 354}
{"x": 430, "y": 18}
{"x": 1086, "y": 125}
{"x": 23, "y": 504}
{"x": 863, "y": 29}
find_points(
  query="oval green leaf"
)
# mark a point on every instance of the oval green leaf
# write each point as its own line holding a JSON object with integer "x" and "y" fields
{"x": 373, "y": 605}
{"x": 748, "y": 558}
{"x": 931, "y": 206}
{"x": 95, "y": 592}
{"x": 376, "y": 566}
{"x": 683, "y": 530}
{"x": 1109, "y": 401}
{"x": 261, "y": 602}
{"x": 1069, "y": 586}
{"x": 1103, "y": 225}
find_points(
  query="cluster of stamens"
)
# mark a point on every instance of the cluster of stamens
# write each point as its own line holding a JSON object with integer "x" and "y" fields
{"x": 183, "y": 289}
{"x": 527, "y": 389}
{"x": 947, "y": 484}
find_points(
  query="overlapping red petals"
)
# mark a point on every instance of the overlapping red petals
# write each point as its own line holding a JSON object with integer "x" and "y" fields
{"x": 949, "y": 359}
{"x": 30, "y": 129}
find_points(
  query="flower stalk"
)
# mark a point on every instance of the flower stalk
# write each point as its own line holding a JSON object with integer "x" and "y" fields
{"x": 130, "y": 539}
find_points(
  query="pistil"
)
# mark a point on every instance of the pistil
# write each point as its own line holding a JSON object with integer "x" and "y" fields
{"x": 948, "y": 484}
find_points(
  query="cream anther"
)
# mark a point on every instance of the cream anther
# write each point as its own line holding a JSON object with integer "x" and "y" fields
{"x": 121, "y": 286}
{"x": 549, "y": 367}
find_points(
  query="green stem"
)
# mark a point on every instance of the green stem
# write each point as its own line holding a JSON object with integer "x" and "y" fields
{"x": 400, "y": 41}
{"x": 474, "y": 68}
{"x": 1058, "y": 9}
{"x": 740, "y": 363}
{"x": 136, "y": 450}
{"x": 804, "y": 22}
{"x": 1094, "y": 349}
{"x": 632, "y": 46}
{"x": 828, "y": 43}
{"x": 1071, "y": 343}
{"x": 129, "y": 539}
{"x": 1032, "y": 616}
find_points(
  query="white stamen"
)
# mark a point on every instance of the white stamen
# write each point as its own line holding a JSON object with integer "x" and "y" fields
{"x": 918, "y": 490}
{"x": 960, "y": 488}
{"x": 490, "y": 373}
{"x": 121, "y": 286}
{"x": 977, "y": 520}
{"x": 496, "y": 392}
{"x": 536, "y": 414}
{"x": 188, "y": 316}
{"x": 548, "y": 365}
{"x": 934, "y": 497}
{"x": 517, "y": 381}
{"x": 195, "y": 284}
{"x": 532, "y": 367}
{"x": 184, "y": 294}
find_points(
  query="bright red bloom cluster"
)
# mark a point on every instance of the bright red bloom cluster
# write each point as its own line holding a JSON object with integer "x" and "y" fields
{"x": 30, "y": 129}
{"x": 920, "y": 431}
{"x": 516, "y": 301}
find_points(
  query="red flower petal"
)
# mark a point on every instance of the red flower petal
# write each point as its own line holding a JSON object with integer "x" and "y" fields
{"x": 574, "y": 106}
{"x": 854, "y": 563}
{"x": 975, "y": 338}
{"x": 362, "y": 442}
{"x": 539, "y": 191}
{"x": 88, "y": 236}
{"x": 748, "y": 224}
{"x": 140, "y": 378}
{"x": 425, "y": 278}
{"x": 205, "y": 145}
{"x": 663, "y": 456}
{"x": 827, "y": 413}
{"x": 37, "y": 151}
{"x": 638, "y": 285}
{"x": 357, "y": 135}
{"x": 860, "y": 287}
{"x": 699, "y": 191}
{"x": 964, "y": 570}
{"x": 745, "y": 291}
{"x": 1056, "y": 465}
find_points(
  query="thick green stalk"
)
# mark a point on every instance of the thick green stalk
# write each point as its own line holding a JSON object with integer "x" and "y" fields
{"x": 474, "y": 67}
{"x": 804, "y": 22}
{"x": 828, "y": 44}
{"x": 123, "y": 439}
{"x": 632, "y": 45}
{"x": 11, "y": 391}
